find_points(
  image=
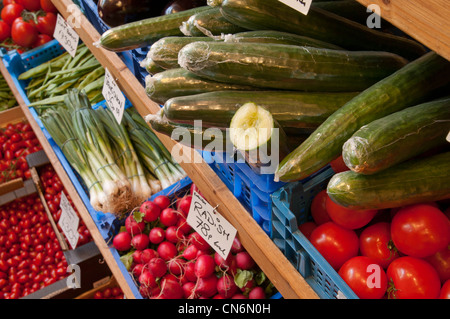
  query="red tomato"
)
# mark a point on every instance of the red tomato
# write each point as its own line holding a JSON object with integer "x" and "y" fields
{"x": 5, "y": 31}
{"x": 338, "y": 165}
{"x": 335, "y": 243}
{"x": 24, "y": 33}
{"x": 420, "y": 230}
{"x": 30, "y": 5}
{"x": 318, "y": 208}
{"x": 349, "y": 218}
{"x": 11, "y": 12}
{"x": 46, "y": 23}
{"x": 307, "y": 228}
{"x": 445, "y": 290}
{"x": 6, "y": 2}
{"x": 365, "y": 277}
{"x": 375, "y": 242}
{"x": 441, "y": 262}
{"x": 42, "y": 39}
{"x": 412, "y": 278}
{"x": 48, "y": 6}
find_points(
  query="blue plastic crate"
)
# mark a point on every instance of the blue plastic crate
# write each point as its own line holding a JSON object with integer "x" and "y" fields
{"x": 290, "y": 208}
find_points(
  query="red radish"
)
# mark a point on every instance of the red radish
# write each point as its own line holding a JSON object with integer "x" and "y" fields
{"x": 226, "y": 286}
{"x": 239, "y": 296}
{"x": 167, "y": 250}
{"x": 134, "y": 227}
{"x": 236, "y": 247}
{"x": 184, "y": 204}
{"x": 137, "y": 270}
{"x": 168, "y": 217}
{"x": 150, "y": 211}
{"x": 156, "y": 235}
{"x": 194, "y": 188}
{"x": 207, "y": 286}
{"x": 188, "y": 290}
{"x": 173, "y": 234}
{"x": 257, "y": 293}
{"x": 157, "y": 267}
{"x": 204, "y": 266}
{"x": 176, "y": 266}
{"x": 137, "y": 256}
{"x": 196, "y": 239}
{"x": 183, "y": 226}
{"x": 140, "y": 241}
{"x": 171, "y": 289}
{"x": 146, "y": 279}
{"x": 162, "y": 201}
{"x": 122, "y": 241}
{"x": 244, "y": 260}
{"x": 249, "y": 285}
{"x": 224, "y": 264}
{"x": 218, "y": 297}
{"x": 189, "y": 271}
{"x": 148, "y": 254}
{"x": 190, "y": 252}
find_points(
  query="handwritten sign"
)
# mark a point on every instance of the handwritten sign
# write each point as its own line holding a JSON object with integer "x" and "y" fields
{"x": 212, "y": 226}
{"x": 69, "y": 221}
{"x": 301, "y": 6}
{"x": 113, "y": 96}
{"x": 65, "y": 35}
{"x": 448, "y": 137}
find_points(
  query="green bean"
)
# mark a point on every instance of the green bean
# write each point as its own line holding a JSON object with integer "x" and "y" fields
{"x": 92, "y": 76}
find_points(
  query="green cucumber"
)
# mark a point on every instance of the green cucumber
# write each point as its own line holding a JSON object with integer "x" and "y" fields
{"x": 398, "y": 137}
{"x": 208, "y": 23}
{"x": 291, "y": 109}
{"x": 178, "y": 82}
{"x": 145, "y": 32}
{"x": 258, "y": 137}
{"x": 349, "y": 9}
{"x": 415, "y": 83}
{"x": 411, "y": 182}
{"x": 318, "y": 24}
{"x": 288, "y": 67}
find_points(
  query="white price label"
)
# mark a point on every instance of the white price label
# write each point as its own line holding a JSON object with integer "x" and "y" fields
{"x": 212, "y": 226}
{"x": 448, "y": 137}
{"x": 69, "y": 221}
{"x": 301, "y": 6}
{"x": 113, "y": 96}
{"x": 65, "y": 35}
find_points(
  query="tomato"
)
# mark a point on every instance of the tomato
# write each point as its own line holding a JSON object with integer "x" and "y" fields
{"x": 318, "y": 208}
{"x": 336, "y": 244}
{"x": 338, "y": 165}
{"x": 445, "y": 290}
{"x": 441, "y": 262}
{"x": 375, "y": 242}
{"x": 48, "y": 6}
{"x": 6, "y": 2}
{"x": 365, "y": 277}
{"x": 42, "y": 39}
{"x": 11, "y": 12}
{"x": 412, "y": 278}
{"x": 349, "y": 218}
{"x": 46, "y": 23}
{"x": 30, "y": 5}
{"x": 307, "y": 228}
{"x": 420, "y": 230}
{"x": 24, "y": 33}
{"x": 5, "y": 31}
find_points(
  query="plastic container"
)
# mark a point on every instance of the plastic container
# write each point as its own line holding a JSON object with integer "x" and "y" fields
{"x": 290, "y": 208}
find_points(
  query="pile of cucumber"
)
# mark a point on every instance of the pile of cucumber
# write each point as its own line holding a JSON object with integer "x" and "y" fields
{"x": 327, "y": 81}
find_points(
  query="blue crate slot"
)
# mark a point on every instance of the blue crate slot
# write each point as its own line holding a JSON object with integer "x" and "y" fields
{"x": 264, "y": 182}
{"x": 223, "y": 165}
{"x": 291, "y": 207}
{"x": 138, "y": 55}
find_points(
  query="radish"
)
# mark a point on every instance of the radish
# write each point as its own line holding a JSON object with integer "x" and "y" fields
{"x": 194, "y": 188}
{"x": 183, "y": 225}
{"x": 176, "y": 266}
{"x": 140, "y": 241}
{"x": 249, "y": 285}
{"x": 157, "y": 267}
{"x": 226, "y": 286}
{"x": 173, "y": 234}
{"x": 239, "y": 296}
{"x": 168, "y": 217}
{"x": 218, "y": 297}
{"x": 167, "y": 250}
{"x": 122, "y": 241}
{"x": 188, "y": 290}
{"x": 150, "y": 211}
{"x": 224, "y": 264}
{"x": 236, "y": 247}
{"x": 257, "y": 293}
{"x": 196, "y": 239}
{"x": 171, "y": 289}
{"x": 134, "y": 227}
{"x": 244, "y": 260}
{"x": 137, "y": 256}
{"x": 204, "y": 266}
{"x": 189, "y": 271}
{"x": 156, "y": 235}
{"x": 184, "y": 204}
{"x": 162, "y": 201}
{"x": 137, "y": 270}
{"x": 146, "y": 279}
{"x": 190, "y": 252}
{"x": 207, "y": 286}
{"x": 148, "y": 254}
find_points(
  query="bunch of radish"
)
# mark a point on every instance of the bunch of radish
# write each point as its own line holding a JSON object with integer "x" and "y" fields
{"x": 169, "y": 260}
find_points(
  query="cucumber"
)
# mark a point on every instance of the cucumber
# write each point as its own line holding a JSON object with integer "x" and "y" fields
{"x": 208, "y": 23}
{"x": 349, "y": 9}
{"x": 258, "y": 137}
{"x": 415, "y": 83}
{"x": 411, "y": 182}
{"x": 318, "y": 24}
{"x": 178, "y": 82}
{"x": 145, "y": 32}
{"x": 398, "y": 137}
{"x": 291, "y": 109}
{"x": 150, "y": 66}
{"x": 288, "y": 67}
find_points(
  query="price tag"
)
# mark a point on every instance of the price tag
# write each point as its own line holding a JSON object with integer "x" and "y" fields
{"x": 65, "y": 35}
{"x": 113, "y": 96}
{"x": 448, "y": 137}
{"x": 69, "y": 221}
{"x": 300, "y": 5}
{"x": 212, "y": 226}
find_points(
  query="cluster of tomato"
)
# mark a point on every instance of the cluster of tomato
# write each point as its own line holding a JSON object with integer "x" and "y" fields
{"x": 114, "y": 292}
{"x": 30, "y": 255}
{"x": 398, "y": 253}
{"x": 16, "y": 142}
{"x": 27, "y": 24}
{"x": 53, "y": 189}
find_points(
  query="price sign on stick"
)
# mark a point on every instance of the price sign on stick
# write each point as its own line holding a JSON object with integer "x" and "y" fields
{"x": 448, "y": 137}
{"x": 300, "y": 5}
{"x": 69, "y": 221}
{"x": 65, "y": 35}
{"x": 113, "y": 96}
{"x": 212, "y": 226}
